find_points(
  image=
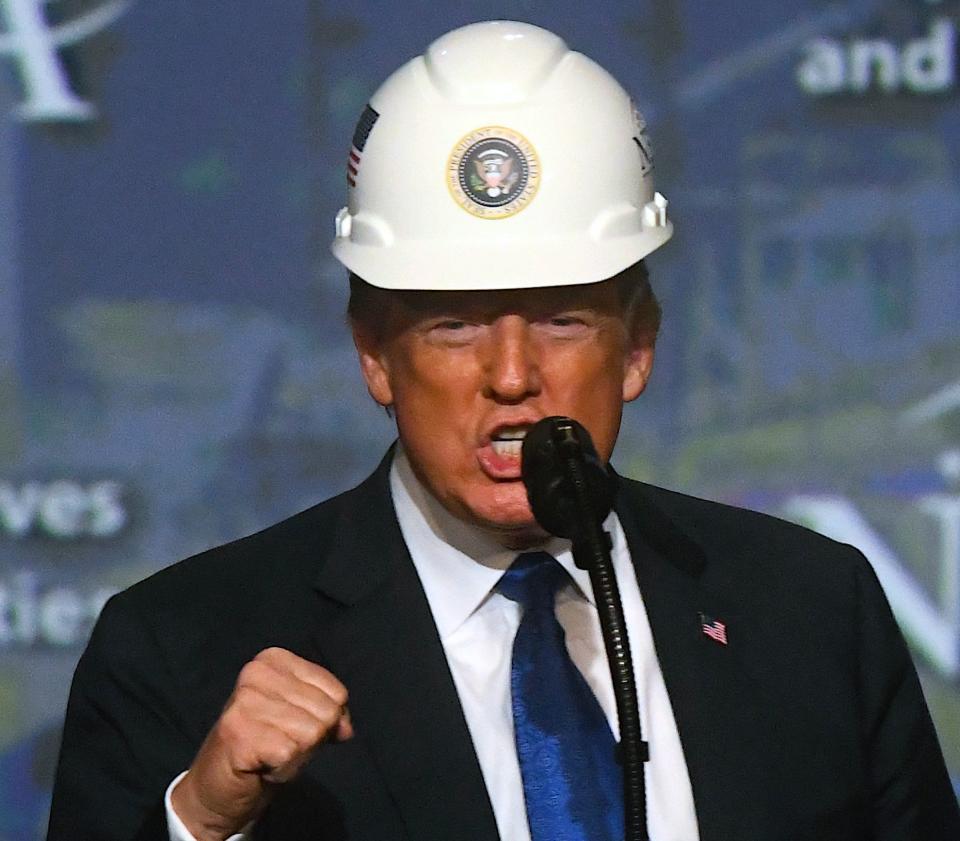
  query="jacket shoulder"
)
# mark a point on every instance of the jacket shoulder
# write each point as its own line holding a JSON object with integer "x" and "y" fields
{"x": 740, "y": 540}
{"x": 287, "y": 551}
{"x": 234, "y": 600}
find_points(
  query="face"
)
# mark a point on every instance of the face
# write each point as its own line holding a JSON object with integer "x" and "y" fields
{"x": 467, "y": 373}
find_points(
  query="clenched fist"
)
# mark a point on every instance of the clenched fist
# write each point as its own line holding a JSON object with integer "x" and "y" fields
{"x": 281, "y": 708}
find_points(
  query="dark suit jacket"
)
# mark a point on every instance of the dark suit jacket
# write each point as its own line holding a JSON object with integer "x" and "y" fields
{"x": 809, "y": 724}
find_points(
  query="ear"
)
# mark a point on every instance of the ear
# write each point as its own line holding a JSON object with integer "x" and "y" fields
{"x": 636, "y": 370}
{"x": 373, "y": 365}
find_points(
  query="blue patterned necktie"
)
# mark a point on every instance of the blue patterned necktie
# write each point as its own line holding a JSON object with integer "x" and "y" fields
{"x": 572, "y": 783}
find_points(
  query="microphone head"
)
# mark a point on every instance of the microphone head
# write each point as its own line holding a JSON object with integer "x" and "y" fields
{"x": 546, "y": 454}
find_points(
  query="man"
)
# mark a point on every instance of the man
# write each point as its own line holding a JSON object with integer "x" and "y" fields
{"x": 362, "y": 670}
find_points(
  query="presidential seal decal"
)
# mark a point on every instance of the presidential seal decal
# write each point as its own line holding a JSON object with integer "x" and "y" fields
{"x": 493, "y": 172}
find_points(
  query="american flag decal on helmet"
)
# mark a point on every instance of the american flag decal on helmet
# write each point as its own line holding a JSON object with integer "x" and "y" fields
{"x": 713, "y": 628}
{"x": 360, "y": 135}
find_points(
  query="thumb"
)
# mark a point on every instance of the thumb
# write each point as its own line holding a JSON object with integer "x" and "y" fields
{"x": 344, "y": 729}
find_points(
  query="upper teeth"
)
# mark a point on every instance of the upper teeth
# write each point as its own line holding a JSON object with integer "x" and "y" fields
{"x": 511, "y": 447}
{"x": 511, "y": 434}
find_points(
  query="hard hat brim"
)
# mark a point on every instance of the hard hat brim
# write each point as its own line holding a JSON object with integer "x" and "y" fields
{"x": 511, "y": 265}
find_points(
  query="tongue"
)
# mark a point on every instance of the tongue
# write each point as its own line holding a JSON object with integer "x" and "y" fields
{"x": 499, "y": 465}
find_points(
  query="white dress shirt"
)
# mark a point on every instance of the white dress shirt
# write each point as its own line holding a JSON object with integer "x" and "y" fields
{"x": 459, "y": 566}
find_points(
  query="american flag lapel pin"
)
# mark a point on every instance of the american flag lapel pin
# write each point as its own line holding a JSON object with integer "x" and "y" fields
{"x": 713, "y": 628}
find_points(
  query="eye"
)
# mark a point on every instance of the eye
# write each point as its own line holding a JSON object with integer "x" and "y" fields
{"x": 565, "y": 324}
{"x": 452, "y": 331}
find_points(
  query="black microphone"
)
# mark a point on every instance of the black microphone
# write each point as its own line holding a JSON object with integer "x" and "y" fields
{"x": 564, "y": 477}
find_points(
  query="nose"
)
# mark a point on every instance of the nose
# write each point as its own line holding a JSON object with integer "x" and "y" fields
{"x": 512, "y": 367}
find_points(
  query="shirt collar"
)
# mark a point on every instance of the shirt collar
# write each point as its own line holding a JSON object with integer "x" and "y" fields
{"x": 458, "y": 564}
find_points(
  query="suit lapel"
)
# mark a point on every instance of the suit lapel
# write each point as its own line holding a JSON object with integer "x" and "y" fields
{"x": 713, "y": 707}
{"x": 377, "y": 634}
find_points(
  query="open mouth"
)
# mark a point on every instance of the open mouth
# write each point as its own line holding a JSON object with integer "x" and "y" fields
{"x": 508, "y": 440}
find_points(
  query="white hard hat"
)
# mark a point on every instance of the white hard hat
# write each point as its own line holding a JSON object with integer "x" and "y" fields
{"x": 499, "y": 159}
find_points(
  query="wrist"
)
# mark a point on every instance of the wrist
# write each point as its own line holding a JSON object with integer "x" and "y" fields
{"x": 203, "y": 823}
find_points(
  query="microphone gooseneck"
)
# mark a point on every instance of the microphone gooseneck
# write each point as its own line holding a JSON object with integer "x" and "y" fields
{"x": 570, "y": 493}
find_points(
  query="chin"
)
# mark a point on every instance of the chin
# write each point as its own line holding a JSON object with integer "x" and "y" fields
{"x": 507, "y": 513}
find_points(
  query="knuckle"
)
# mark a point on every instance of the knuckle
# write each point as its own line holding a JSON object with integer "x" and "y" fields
{"x": 251, "y": 674}
{"x": 244, "y": 699}
{"x": 338, "y": 694}
{"x": 272, "y": 654}
{"x": 232, "y": 725}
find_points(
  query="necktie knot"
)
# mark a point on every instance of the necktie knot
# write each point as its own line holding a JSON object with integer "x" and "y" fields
{"x": 533, "y": 580}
